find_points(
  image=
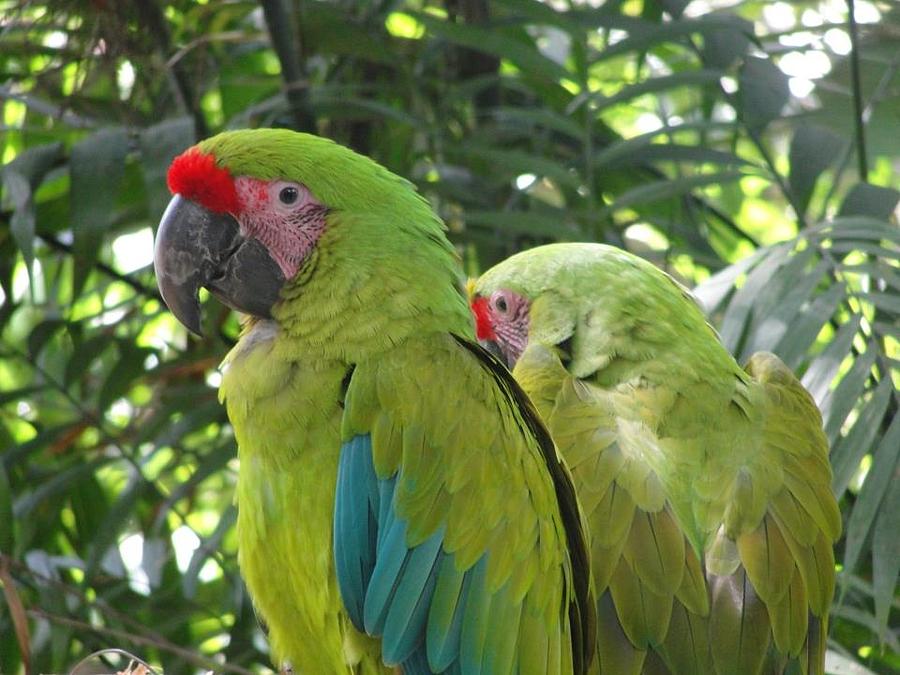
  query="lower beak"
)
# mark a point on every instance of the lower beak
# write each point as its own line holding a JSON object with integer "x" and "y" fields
{"x": 494, "y": 348}
{"x": 197, "y": 248}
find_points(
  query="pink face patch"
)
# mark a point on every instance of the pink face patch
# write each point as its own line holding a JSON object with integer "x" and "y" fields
{"x": 284, "y": 216}
{"x": 197, "y": 177}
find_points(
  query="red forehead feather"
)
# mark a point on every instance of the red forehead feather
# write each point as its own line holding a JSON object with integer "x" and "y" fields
{"x": 197, "y": 177}
{"x": 483, "y": 328}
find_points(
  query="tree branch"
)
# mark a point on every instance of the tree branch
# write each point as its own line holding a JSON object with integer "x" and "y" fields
{"x": 858, "y": 121}
{"x": 279, "y": 22}
{"x": 136, "y": 285}
{"x": 155, "y": 23}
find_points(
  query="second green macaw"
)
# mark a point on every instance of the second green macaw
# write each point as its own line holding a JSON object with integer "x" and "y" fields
{"x": 706, "y": 486}
{"x": 399, "y": 501}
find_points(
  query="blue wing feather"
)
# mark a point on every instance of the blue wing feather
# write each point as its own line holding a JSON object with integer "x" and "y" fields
{"x": 433, "y": 618}
{"x": 354, "y": 528}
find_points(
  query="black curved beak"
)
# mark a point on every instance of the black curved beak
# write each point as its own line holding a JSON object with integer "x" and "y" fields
{"x": 198, "y": 248}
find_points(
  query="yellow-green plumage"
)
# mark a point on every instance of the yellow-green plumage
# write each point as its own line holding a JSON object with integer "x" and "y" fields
{"x": 706, "y": 486}
{"x": 285, "y": 500}
{"x": 368, "y": 359}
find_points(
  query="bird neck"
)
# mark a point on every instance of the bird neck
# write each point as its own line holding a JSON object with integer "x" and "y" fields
{"x": 350, "y": 302}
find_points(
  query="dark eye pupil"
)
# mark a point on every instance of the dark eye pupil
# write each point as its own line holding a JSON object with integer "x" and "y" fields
{"x": 501, "y": 304}
{"x": 288, "y": 195}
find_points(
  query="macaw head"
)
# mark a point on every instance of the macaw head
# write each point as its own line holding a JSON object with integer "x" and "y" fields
{"x": 269, "y": 218}
{"x": 586, "y": 300}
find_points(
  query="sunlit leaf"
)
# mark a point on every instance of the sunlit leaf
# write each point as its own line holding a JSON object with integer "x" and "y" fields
{"x": 763, "y": 92}
{"x": 870, "y": 200}
{"x": 813, "y": 149}
{"x": 886, "y": 553}
{"x": 96, "y": 166}
{"x": 159, "y": 145}
{"x": 865, "y": 510}
{"x": 850, "y": 449}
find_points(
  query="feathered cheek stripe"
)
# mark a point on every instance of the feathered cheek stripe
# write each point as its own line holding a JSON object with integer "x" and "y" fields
{"x": 483, "y": 328}
{"x": 196, "y": 176}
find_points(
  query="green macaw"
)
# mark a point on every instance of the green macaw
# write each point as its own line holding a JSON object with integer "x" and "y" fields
{"x": 399, "y": 501}
{"x": 706, "y": 487}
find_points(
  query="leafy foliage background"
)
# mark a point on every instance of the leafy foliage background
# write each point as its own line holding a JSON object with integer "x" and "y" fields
{"x": 743, "y": 146}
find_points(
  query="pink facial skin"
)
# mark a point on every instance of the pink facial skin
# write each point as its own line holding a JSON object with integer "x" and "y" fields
{"x": 283, "y": 216}
{"x": 502, "y": 320}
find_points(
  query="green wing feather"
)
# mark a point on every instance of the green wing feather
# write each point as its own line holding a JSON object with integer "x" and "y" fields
{"x": 765, "y": 533}
{"x": 471, "y": 459}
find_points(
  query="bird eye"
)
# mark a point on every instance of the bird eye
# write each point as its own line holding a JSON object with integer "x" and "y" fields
{"x": 288, "y": 195}
{"x": 500, "y": 304}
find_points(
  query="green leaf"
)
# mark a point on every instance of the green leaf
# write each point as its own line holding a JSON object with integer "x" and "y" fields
{"x": 97, "y": 165}
{"x": 886, "y": 554}
{"x": 838, "y": 404}
{"x": 653, "y": 152}
{"x": 870, "y": 200}
{"x": 114, "y": 523}
{"x": 18, "y": 193}
{"x": 813, "y": 149}
{"x": 763, "y": 92}
{"x": 733, "y": 327}
{"x": 60, "y": 483}
{"x": 35, "y": 162}
{"x": 208, "y": 547}
{"x": 128, "y": 368}
{"x": 714, "y": 290}
{"x": 84, "y": 356}
{"x": 525, "y": 222}
{"x": 804, "y": 329}
{"x": 523, "y": 162}
{"x": 824, "y": 368}
{"x": 722, "y": 46}
{"x": 213, "y": 462}
{"x": 42, "y": 333}
{"x": 346, "y": 105}
{"x": 21, "y": 178}
{"x": 781, "y": 300}
{"x": 850, "y": 449}
{"x": 665, "y": 189}
{"x": 540, "y": 117}
{"x": 670, "y": 31}
{"x": 886, "y": 301}
{"x": 865, "y": 509}
{"x": 648, "y": 86}
{"x": 159, "y": 145}
{"x": 498, "y": 42}
{"x": 622, "y": 150}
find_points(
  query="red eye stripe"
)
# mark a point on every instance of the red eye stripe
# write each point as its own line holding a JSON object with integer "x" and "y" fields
{"x": 483, "y": 328}
{"x": 197, "y": 177}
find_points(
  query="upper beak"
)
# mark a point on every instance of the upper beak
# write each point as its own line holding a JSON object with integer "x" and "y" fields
{"x": 198, "y": 248}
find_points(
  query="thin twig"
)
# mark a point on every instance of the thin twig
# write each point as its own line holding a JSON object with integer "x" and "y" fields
{"x": 155, "y": 24}
{"x": 858, "y": 121}
{"x": 160, "y": 644}
{"x": 136, "y": 285}
{"x": 877, "y": 95}
{"x": 95, "y": 603}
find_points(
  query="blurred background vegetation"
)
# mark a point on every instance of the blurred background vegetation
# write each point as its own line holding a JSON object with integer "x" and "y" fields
{"x": 751, "y": 148}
